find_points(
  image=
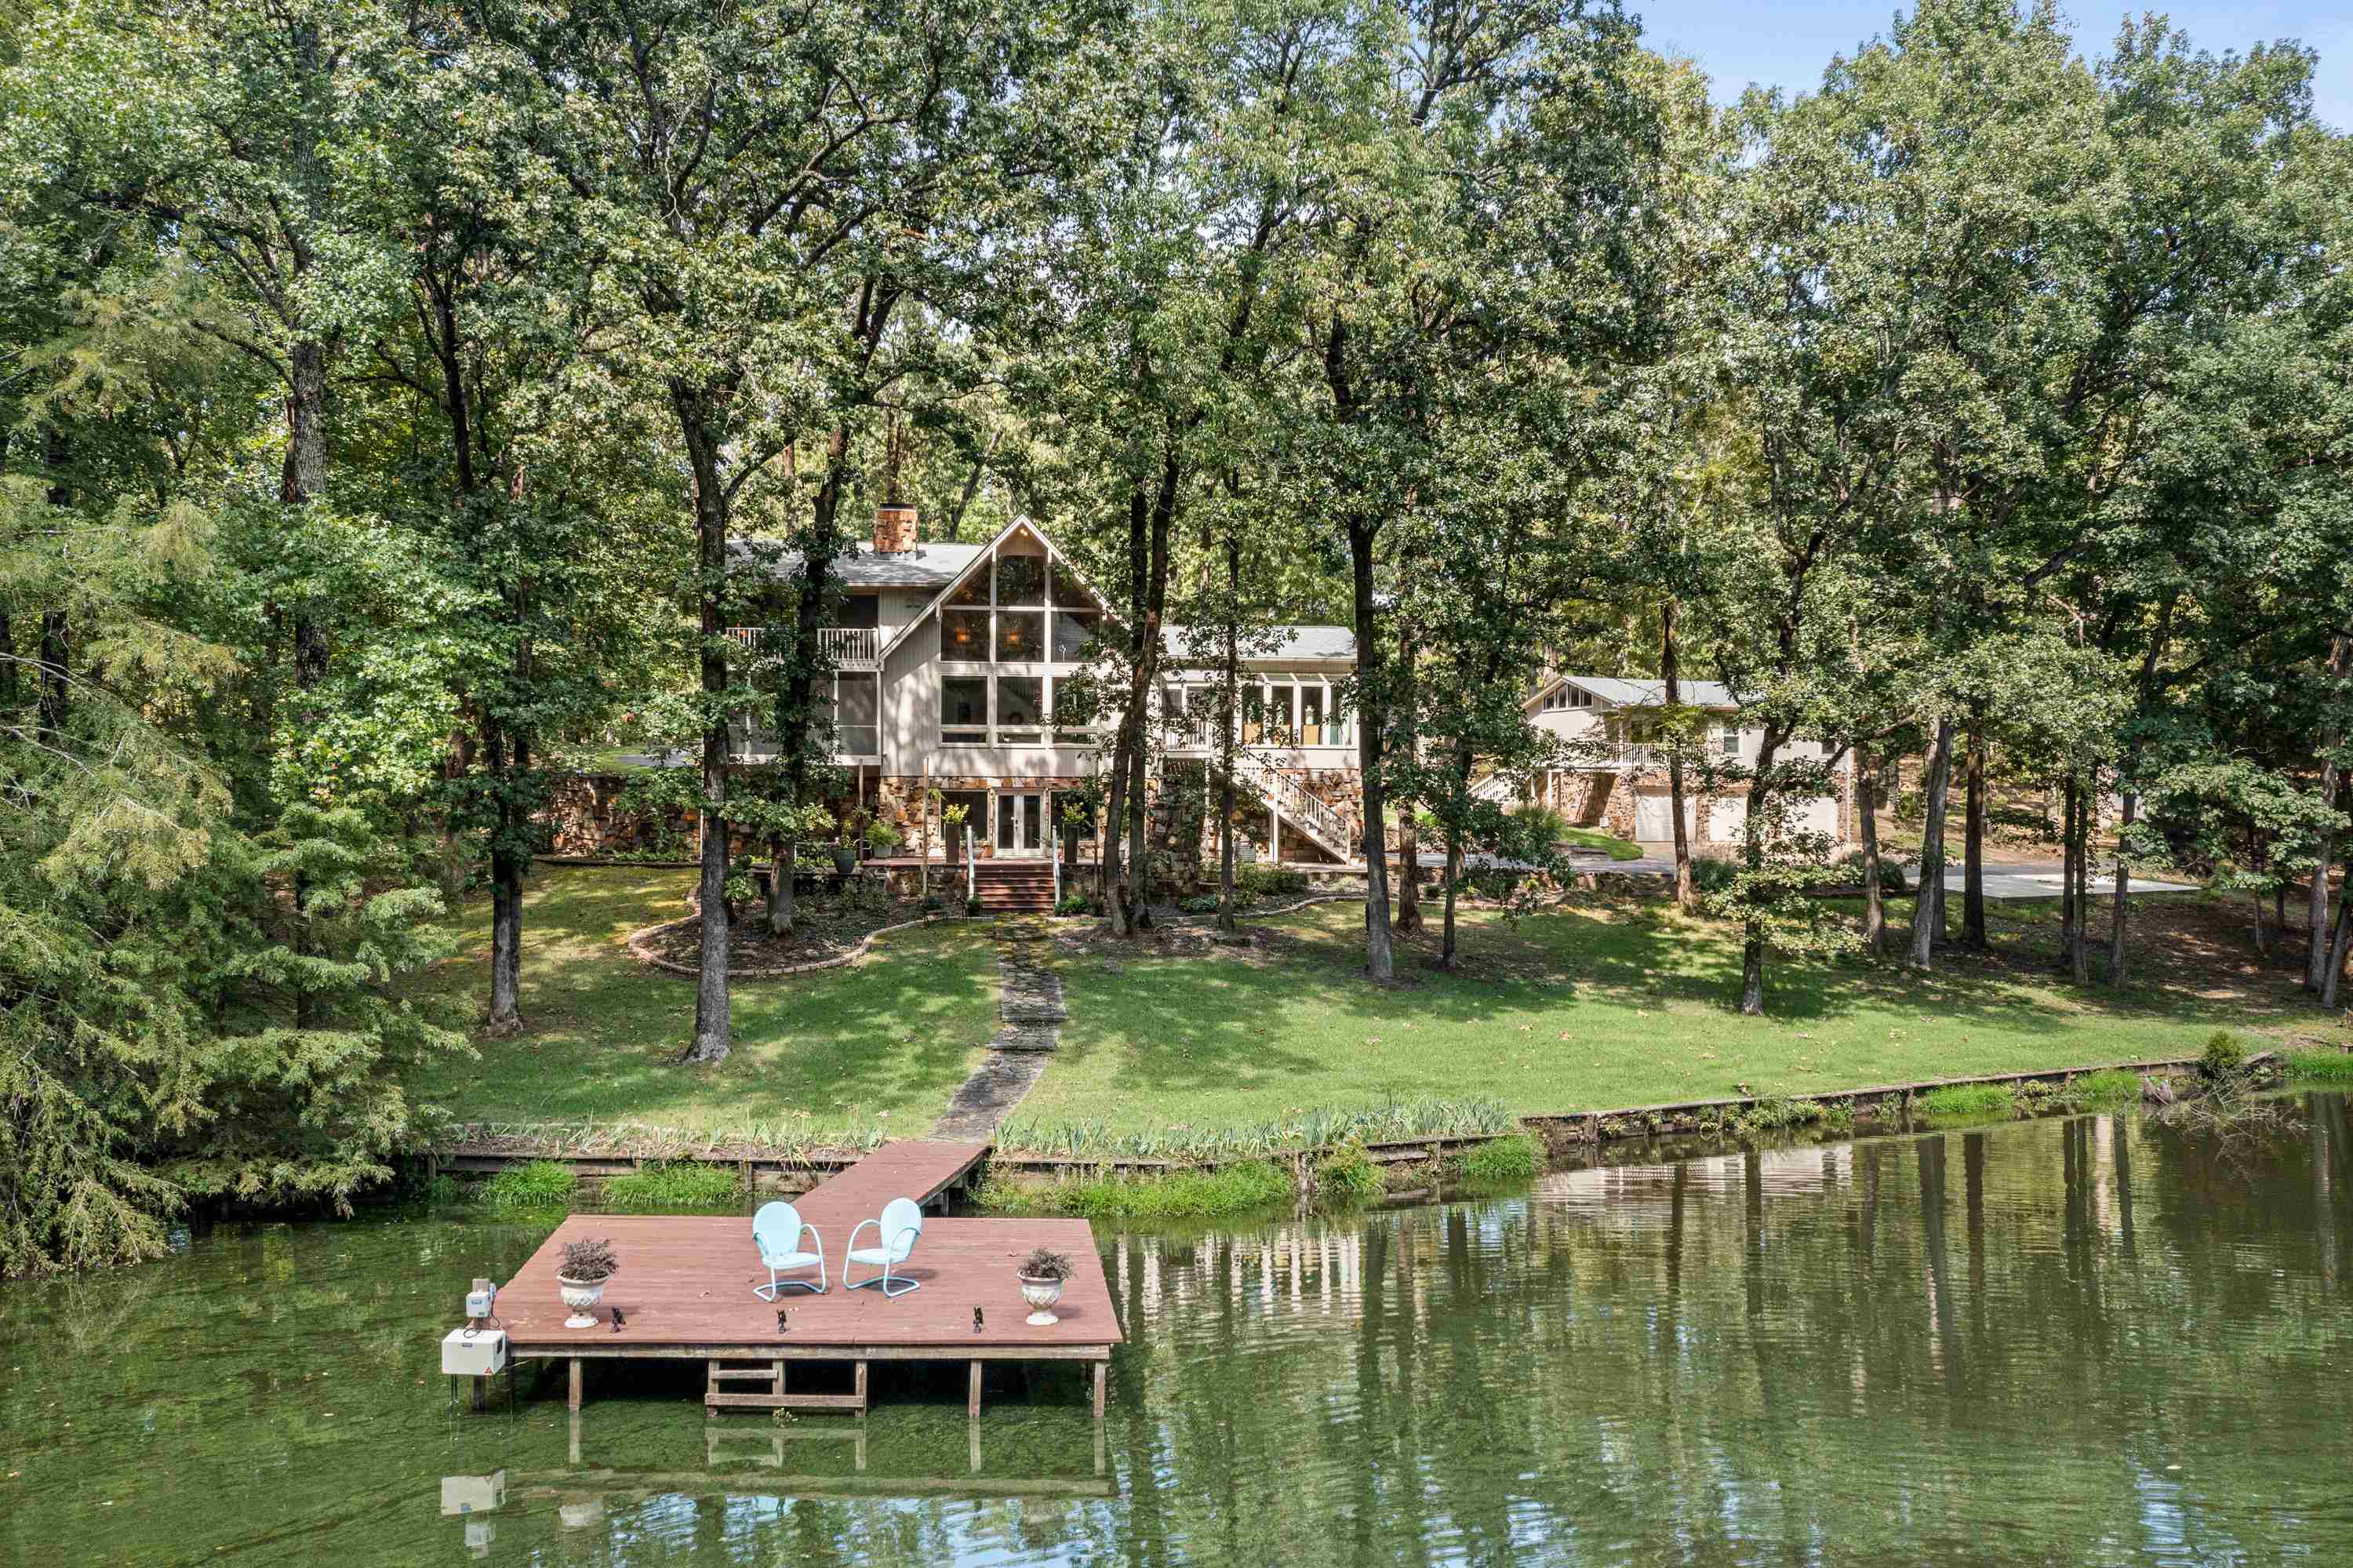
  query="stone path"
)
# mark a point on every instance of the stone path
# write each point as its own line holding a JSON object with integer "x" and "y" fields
{"x": 1031, "y": 1012}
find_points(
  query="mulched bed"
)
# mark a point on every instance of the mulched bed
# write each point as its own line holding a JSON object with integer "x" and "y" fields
{"x": 822, "y": 929}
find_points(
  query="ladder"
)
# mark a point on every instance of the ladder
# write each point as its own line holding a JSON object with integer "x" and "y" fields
{"x": 768, "y": 1390}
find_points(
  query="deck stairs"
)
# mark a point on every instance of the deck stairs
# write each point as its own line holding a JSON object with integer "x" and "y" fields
{"x": 760, "y": 1385}
{"x": 1014, "y": 886}
{"x": 1296, "y": 805}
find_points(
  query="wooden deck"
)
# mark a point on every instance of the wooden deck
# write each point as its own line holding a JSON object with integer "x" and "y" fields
{"x": 684, "y": 1292}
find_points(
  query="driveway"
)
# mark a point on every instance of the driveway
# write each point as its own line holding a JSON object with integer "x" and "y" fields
{"x": 2003, "y": 879}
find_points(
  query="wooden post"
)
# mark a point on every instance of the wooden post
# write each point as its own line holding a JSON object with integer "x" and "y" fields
{"x": 1100, "y": 1368}
{"x": 972, "y": 1398}
{"x": 861, "y": 1402}
{"x": 573, "y": 1403}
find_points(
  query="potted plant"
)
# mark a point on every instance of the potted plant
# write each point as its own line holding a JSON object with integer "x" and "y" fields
{"x": 844, "y": 853}
{"x": 952, "y": 825}
{"x": 1042, "y": 1274}
{"x": 581, "y": 1277}
{"x": 881, "y": 838}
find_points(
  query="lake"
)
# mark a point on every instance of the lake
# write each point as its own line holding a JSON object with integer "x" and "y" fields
{"x": 2102, "y": 1340}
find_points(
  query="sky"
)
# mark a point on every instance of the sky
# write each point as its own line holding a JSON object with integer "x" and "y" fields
{"x": 1786, "y": 43}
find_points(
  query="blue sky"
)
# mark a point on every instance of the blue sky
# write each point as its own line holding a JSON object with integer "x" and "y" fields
{"x": 1786, "y": 43}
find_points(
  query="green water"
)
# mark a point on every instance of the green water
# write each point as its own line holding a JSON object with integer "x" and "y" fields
{"x": 2095, "y": 1340}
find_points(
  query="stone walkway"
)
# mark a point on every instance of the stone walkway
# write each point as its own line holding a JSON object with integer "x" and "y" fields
{"x": 1031, "y": 1014}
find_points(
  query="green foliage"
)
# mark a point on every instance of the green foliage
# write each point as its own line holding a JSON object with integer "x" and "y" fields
{"x": 1512, "y": 1158}
{"x": 1393, "y": 1121}
{"x": 1260, "y": 881}
{"x": 1347, "y": 1178}
{"x": 2112, "y": 1086}
{"x": 539, "y": 1184}
{"x": 1957, "y": 1102}
{"x": 1244, "y": 1189}
{"x": 673, "y": 1187}
{"x": 2324, "y": 1069}
{"x": 1200, "y": 903}
{"x": 2224, "y": 1058}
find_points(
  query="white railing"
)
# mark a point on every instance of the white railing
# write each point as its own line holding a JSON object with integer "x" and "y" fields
{"x": 845, "y": 645}
{"x": 1500, "y": 787}
{"x": 971, "y": 872}
{"x": 1292, "y": 799}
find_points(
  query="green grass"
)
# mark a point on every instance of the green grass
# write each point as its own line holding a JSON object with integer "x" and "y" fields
{"x": 1968, "y": 1100}
{"x": 1347, "y": 1178}
{"x": 876, "y": 1046}
{"x": 673, "y": 1187}
{"x": 2332, "y": 1068}
{"x": 1588, "y": 838}
{"x": 1600, "y": 1006}
{"x": 541, "y": 1184}
{"x": 1512, "y": 1158}
{"x": 1185, "y": 1195}
{"x": 2107, "y": 1088}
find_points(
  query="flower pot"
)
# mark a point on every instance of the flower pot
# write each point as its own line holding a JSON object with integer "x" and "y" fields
{"x": 1040, "y": 1294}
{"x": 580, "y": 1295}
{"x": 845, "y": 861}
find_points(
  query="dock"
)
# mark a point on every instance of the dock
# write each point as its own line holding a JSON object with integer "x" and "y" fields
{"x": 683, "y": 1292}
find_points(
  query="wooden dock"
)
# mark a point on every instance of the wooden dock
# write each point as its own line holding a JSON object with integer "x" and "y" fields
{"x": 684, "y": 1293}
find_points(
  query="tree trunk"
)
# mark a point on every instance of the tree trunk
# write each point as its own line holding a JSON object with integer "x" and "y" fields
{"x": 712, "y": 1034}
{"x": 2117, "y": 905}
{"x": 2079, "y": 959}
{"x": 1973, "y": 909}
{"x": 1927, "y": 908}
{"x": 509, "y": 859}
{"x": 1686, "y": 889}
{"x": 1453, "y": 876}
{"x": 2315, "y": 919}
{"x": 1380, "y": 956}
{"x": 1139, "y": 845}
{"x": 1752, "y": 854}
{"x": 2068, "y": 796}
{"x": 1232, "y": 713}
{"x": 1874, "y": 899}
{"x": 2341, "y": 946}
{"x": 784, "y": 853}
{"x": 1409, "y": 907}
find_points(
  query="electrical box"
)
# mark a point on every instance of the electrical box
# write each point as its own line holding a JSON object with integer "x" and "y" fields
{"x": 478, "y": 1303}
{"x": 473, "y": 1353}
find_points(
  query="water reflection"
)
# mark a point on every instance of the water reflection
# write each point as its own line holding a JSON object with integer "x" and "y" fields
{"x": 2102, "y": 1341}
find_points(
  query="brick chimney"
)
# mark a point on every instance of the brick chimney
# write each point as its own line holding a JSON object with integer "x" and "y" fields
{"x": 894, "y": 530}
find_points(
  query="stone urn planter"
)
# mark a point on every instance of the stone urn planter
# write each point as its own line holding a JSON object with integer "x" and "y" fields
{"x": 581, "y": 1277}
{"x": 1042, "y": 1275}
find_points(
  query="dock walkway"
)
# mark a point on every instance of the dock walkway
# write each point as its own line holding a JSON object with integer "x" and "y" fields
{"x": 684, "y": 1292}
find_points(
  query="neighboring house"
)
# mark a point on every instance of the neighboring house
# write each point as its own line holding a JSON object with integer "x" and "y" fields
{"x": 945, "y": 694}
{"x": 1618, "y": 779}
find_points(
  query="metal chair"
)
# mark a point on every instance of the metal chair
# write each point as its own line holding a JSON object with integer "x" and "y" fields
{"x": 901, "y": 1224}
{"x": 776, "y": 1232}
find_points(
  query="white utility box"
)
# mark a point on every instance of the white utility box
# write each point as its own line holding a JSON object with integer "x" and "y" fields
{"x": 473, "y": 1494}
{"x": 474, "y": 1353}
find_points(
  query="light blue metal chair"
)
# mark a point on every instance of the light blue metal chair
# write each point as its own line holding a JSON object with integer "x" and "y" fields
{"x": 776, "y": 1231}
{"x": 901, "y": 1224}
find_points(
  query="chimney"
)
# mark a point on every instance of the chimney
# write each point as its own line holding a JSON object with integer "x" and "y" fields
{"x": 894, "y": 530}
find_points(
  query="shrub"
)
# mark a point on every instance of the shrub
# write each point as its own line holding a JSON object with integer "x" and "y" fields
{"x": 971, "y": 906}
{"x": 1512, "y": 1157}
{"x": 685, "y": 1184}
{"x": 1968, "y": 1100}
{"x": 1890, "y": 875}
{"x": 2224, "y": 1058}
{"x": 1347, "y": 1178}
{"x": 541, "y": 1184}
{"x": 1184, "y": 1195}
{"x": 933, "y": 903}
{"x": 2109, "y": 1087}
{"x": 1073, "y": 904}
{"x": 1204, "y": 904}
{"x": 2333, "y": 1067}
{"x": 1269, "y": 881}
{"x": 1714, "y": 874}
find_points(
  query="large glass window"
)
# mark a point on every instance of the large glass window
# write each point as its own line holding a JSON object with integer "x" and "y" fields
{"x": 1067, "y": 592}
{"x": 1020, "y": 709}
{"x": 1071, "y": 629}
{"x": 974, "y": 589}
{"x": 1021, "y": 579}
{"x": 1020, "y": 636}
{"x": 964, "y": 709}
{"x": 854, "y": 711}
{"x": 1310, "y": 715}
{"x": 964, "y": 635}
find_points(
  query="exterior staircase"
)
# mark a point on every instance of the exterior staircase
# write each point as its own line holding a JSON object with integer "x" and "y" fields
{"x": 1014, "y": 886}
{"x": 1296, "y": 806}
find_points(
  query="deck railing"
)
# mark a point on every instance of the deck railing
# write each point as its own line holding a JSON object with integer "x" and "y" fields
{"x": 848, "y": 646}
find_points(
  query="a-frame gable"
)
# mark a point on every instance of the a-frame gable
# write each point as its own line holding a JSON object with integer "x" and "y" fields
{"x": 988, "y": 553}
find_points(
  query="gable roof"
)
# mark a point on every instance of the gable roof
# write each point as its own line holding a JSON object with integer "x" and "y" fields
{"x": 927, "y": 566}
{"x": 1620, "y": 693}
{"x": 1306, "y": 644}
{"x": 982, "y": 553}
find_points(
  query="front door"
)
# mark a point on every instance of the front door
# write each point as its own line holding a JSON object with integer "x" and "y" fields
{"x": 1021, "y": 824}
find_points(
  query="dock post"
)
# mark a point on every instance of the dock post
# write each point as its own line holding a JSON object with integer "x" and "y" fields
{"x": 574, "y": 1401}
{"x": 1100, "y": 1368}
{"x": 972, "y": 1398}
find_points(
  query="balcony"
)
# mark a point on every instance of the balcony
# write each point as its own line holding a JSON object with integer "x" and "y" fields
{"x": 848, "y": 647}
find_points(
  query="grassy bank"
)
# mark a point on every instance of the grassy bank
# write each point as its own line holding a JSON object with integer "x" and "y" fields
{"x": 882, "y": 1042}
{"x": 1603, "y": 1005}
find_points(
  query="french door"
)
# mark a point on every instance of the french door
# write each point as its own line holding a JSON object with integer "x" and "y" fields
{"x": 1023, "y": 826}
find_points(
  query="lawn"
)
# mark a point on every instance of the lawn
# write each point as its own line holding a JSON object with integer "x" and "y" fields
{"x": 885, "y": 1041}
{"x": 1608, "y": 1005}
{"x": 1602, "y": 1004}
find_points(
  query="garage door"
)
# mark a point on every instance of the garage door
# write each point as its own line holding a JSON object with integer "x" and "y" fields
{"x": 1728, "y": 819}
{"x": 1654, "y": 822}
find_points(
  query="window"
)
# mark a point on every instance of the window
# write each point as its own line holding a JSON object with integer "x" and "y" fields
{"x": 1253, "y": 714}
{"x": 1068, "y": 594}
{"x": 1020, "y": 709}
{"x": 974, "y": 589}
{"x": 853, "y": 715}
{"x": 964, "y": 709}
{"x": 1071, "y": 629}
{"x": 964, "y": 635}
{"x": 1073, "y": 713}
{"x": 1020, "y": 636}
{"x": 1727, "y": 738}
{"x": 1021, "y": 579}
{"x": 1310, "y": 715}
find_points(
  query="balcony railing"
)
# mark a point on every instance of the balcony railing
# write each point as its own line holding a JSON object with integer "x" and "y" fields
{"x": 849, "y": 647}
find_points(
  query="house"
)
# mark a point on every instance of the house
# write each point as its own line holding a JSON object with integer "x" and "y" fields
{"x": 946, "y": 697}
{"x": 1616, "y": 778}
